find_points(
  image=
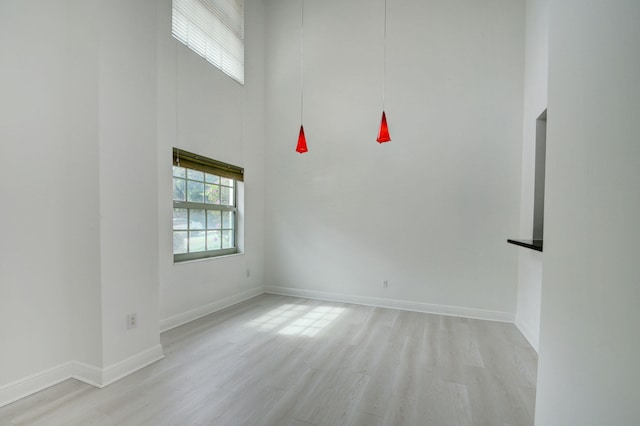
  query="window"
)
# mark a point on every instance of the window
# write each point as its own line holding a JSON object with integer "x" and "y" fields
{"x": 214, "y": 29}
{"x": 205, "y": 207}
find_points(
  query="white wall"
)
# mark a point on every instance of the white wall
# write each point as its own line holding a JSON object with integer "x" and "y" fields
{"x": 128, "y": 177}
{"x": 82, "y": 99}
{"x": 35, "y": 271}
{"x": 535, "y": 102}
{"x": 589, "y": 341}
{"x": 87, "y": 125}
{"x": 429, "y": 211}
{"x": 221, "y": 119}
{"x": 79, "y": 126}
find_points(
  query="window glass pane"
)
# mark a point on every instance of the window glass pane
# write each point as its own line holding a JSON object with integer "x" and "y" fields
{"x": 211, "y": 178}
{"x": 213, "y": 219}
{"x": 179, "y": 171}
{"x": 196, "y": 219}
{"x": 195, "y": 175}
{"x": 227, "y": 239}
{"x": 226, "y": 196}
{"x": 227, "y": 220}
{"x": 179, "y": 189}
{"x": 179, "y": 218}
{"x": 196, "y": 241}
{"x": 179, "y": 242}
{"x": 201, "y": 229}
{"x": 213, "y": 240}
{"x": 195, "y": 191}
{"x": 212, "y": 194}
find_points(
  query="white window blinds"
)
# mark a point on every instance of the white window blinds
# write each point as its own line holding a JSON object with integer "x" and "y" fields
{"x": 214, "y": 29}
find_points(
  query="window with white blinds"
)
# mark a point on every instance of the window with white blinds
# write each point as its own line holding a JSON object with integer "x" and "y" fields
{"x": 214, "y": 29}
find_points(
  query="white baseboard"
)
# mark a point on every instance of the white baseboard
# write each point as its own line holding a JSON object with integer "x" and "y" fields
{"x": 86, "y": 373}
{"x": 531, "y": 337}
{"x": 394, "y": 304}
{"x": 201, "y": 311}
{"x": 130, "y": 365}
{"x": 14, "y": 391}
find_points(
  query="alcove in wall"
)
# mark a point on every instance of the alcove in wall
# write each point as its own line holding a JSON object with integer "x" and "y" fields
{"x": 535, "y": 243}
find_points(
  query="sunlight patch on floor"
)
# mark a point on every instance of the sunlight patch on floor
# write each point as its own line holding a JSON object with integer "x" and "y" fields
{"x": 296, "y": 320}
{"x": 312, "y": 322}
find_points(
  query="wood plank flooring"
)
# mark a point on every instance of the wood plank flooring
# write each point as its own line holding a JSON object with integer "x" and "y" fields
{"x": 284, "y": 361}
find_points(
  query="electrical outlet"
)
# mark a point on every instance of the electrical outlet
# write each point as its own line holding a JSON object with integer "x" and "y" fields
{"x": 132, "y": 321}
{"x": 385, "y": 283}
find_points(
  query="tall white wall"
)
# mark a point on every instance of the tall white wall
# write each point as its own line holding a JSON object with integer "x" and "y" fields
{"x": 128, "y": 177}
{"x": 35, "y": 270}
{"x": 87, "y": 121}
{"x": 589, "y": 341}
{"x": 82, "y": 99}
{"x": 535, "y": 102}
{"x": 202, "y": 110}
{"x": 81, "y": 240}
{"x": 429, "y": 211}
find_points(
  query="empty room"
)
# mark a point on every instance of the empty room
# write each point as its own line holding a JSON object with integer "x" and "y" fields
{"x": 320, "y": 212}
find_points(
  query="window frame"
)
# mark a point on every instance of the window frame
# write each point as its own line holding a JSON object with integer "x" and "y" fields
{"x": 190, "y": 161}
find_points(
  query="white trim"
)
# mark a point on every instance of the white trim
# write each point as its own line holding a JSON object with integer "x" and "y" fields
{"x": 86, "y": 373}
{"x": 101, "y": 377}
{"x": 199, "y": 312}
{"x": 130, "y": 365}
{"x": 526, "y": 332}
{"x": 14, "y": 391}
{"x": 394, "y": 304}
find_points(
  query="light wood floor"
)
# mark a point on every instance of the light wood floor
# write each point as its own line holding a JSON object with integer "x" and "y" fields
{"x": 285, "y": 361}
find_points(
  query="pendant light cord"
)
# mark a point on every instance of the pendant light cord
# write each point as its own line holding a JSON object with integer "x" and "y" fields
{"x": 384, "y": 56}
{"x": 302, "y": 62}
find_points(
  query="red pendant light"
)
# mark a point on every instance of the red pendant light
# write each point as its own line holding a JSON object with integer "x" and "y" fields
{"x": 383, "y": 133}
{"x": 302, "y": 141}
